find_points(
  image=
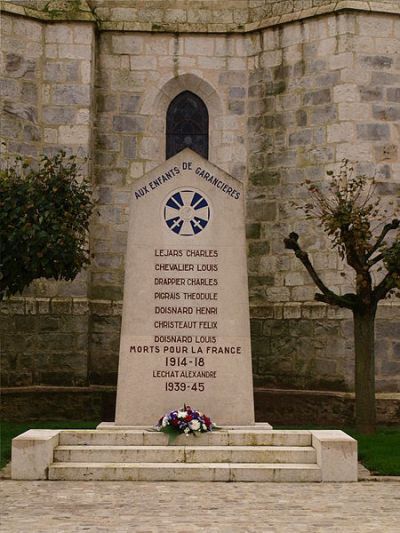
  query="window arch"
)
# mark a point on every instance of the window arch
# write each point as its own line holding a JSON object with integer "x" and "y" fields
{"x": 187, "y": 125}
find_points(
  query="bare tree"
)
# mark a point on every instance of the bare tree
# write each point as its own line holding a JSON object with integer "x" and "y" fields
{"x": 347, "y": 211}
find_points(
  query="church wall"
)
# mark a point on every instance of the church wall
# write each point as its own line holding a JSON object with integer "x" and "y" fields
{"x": 22, "y": 56}
{"x": 322, "y": 89}
{"x": 48, "y": 105}
{"x": 285, "y": 102}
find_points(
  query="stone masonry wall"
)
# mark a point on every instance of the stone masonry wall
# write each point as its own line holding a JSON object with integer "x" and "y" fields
{"x": 22, "y": 57}
{"x": 320, "y": 90}
{"x": 47, "y": 89}
{"x": 285, "y": 103}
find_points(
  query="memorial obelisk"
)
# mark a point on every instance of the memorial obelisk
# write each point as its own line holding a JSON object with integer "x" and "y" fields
{"x": 185, "y": 323}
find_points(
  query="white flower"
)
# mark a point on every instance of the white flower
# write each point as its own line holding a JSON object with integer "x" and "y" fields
{"x": 204, "y": 427}
{"x": 186, "y": 430}
{"x": 194, "y": 425}
{"x": 182, "y": 414}
{"x": 164, "y": 422}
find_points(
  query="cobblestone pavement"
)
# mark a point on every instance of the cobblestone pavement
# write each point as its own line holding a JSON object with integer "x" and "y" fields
{"x": 40, "y": 506}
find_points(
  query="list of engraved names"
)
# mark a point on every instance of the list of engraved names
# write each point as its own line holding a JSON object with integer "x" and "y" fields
{"x": 186, "y": 296}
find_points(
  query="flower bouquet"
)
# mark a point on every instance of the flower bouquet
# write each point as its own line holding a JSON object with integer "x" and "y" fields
{"x": 184, "y": 421}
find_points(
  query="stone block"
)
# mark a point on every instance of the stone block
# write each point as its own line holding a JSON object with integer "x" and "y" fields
{"x": 336, "y": 455}
{"x": 149, "y": 148}
{"x": 129, "y": 147}
{"x": 232, "y": 78}
{"x": 71, "y": 94}
{"x": 258, "y": 248}
{"x": 389, "y": 113}
{"x": 302, "y": 137}
{"x": 32, "y": 453}
{"x": 143, "y": 63}
{"x": 236, "y": 107}
{"x": 373, "y": 132}
{"x": 384, "y": 78}
{"x": 57, "y": 115}
{"x": 16, "y": 66}
{"x": 73, "y": 134}
{"x": 9, "y": 88}
{"x": 386, "y": 152}
{"x": 51, "y": 51}
{"x": 370, "y": 94}
{"x": 376, "y": 62}
{"x": 31, "y": 133}
{"x": 127, "y": 44}
{"x": 75, "y": 51}
{"x": 82, "y": 117}
{"x": 80, "y": 306}
{"x": 198, "y": 46}
{"x": 19, "y": 110}
{"x": 50, "y": 135}
{"x": 30, "y": 29}
{"x": 29, "y": 92}
{"x": 341, "y": 132}
{"x": 292, "y": 311}
{"x": 59, "y": 33}
{"x": 129, "y": 103}
{"x": 321, "y": 96}
{"x": 375, "y": 26}
{"x": 346, "y": 93}
{"x": 136, "y": 170}
{"x": 175, "y": 15}
{"x": 393, "y": 94}
{"x": 314, "y": 310}
{"x": 54, "y": 72}
{"x": 213, "y": 63}
{"x": 83, "y": 34}
{"x": 323, "y": 114}
{"x": 113, "y": 176}
{"x": 123, "y": 123}
{"x": 353, "y": 111}
{"x": 356, "y": 75}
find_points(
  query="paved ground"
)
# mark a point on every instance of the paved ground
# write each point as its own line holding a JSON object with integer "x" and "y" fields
{"x": 58, "y": 507}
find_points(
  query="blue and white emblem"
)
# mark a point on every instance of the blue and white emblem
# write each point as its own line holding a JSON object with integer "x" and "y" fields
{"x": 186, "y": 212}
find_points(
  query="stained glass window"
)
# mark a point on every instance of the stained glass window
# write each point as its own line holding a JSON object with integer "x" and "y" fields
{"x": 187, "y": 125}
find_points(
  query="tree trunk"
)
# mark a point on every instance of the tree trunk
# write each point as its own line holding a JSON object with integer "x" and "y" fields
{"x": 364, "y": 344}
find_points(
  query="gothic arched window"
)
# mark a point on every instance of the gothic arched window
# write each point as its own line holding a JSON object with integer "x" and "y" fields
{"x": 187, "y": 125}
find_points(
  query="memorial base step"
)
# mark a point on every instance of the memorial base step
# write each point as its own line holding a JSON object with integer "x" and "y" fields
{"x": 226, "y": 455}
{"x": 184, "y": 472}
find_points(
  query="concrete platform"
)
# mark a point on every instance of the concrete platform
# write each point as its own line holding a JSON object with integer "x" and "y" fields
{"x": 138, "y": 454}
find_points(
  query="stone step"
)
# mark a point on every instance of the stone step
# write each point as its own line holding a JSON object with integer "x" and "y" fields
{"x": 185, "y": 454}
{"x": 260, "y": 472}
{"x": 215, "y": 438}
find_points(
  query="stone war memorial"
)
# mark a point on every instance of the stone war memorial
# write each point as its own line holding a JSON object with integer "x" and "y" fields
{"x": 185, "y": 339}
{"x": 185, "y": 322}
{"x": 199, "y": 121}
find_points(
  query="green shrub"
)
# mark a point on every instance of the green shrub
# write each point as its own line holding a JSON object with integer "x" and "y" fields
{"x": 44, "y": 218}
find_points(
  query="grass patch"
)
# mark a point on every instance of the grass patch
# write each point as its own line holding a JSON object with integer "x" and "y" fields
{"x": 380, "y": 453}
{"x": 9, "y": 430}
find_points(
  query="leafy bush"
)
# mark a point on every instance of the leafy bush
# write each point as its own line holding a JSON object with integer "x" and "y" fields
{"x": 44, "y": 218}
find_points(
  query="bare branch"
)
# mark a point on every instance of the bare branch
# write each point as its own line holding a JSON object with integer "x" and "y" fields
{"x": 388, "y": 227}
{"x": 375, "y": 260}
{"x": 386, "y": 285}
{"x": 327, "y": 296}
